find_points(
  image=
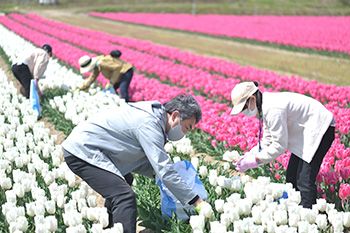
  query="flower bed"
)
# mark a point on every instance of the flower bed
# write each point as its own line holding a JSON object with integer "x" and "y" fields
{"x": 215, "y": 114}
{"x": 327, "y": 33}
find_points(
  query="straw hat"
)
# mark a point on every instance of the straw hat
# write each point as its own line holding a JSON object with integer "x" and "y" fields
{"x": 87, "y": 63}
{"x": 240, "y": 94}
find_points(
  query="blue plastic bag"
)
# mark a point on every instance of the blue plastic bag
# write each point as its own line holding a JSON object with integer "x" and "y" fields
{"x": 34, "y": 98}
{"x": 169, "y": 203}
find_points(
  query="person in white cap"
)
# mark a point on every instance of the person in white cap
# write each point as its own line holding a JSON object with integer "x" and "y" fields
{"x": 117, "y": 71}
{"x": 293, "y": 122}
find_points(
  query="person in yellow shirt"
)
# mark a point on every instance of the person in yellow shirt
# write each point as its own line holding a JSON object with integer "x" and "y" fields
{"x": 117, "y": 71}
{"x": 32, "y": 66}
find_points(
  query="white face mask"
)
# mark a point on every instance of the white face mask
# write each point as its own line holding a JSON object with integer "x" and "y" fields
{"x": 250, "y": 113}
{"x": 175, "y": 133}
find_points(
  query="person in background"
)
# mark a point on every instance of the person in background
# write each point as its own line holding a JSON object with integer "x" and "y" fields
{"x": 293, "y": 122}
{"x": 106, "y": 148}
{"x": 117, "y": 71}
{"x": 32, "y": 65}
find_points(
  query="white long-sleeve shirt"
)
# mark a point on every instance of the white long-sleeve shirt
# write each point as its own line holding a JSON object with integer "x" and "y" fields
{"x": 292, "y": 122}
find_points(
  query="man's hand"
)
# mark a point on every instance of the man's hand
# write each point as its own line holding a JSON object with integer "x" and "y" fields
{"x": 247, "y": 162}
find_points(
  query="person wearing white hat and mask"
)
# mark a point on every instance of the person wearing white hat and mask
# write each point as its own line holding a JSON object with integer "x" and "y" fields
{"x": 117, "y": 71}
{"x": 106, "y": 148}
{"x": 293, "y": 122}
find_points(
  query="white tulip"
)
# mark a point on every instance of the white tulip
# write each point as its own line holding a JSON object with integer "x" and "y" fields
{"x": 281, "y": 217}
{"x": 321, "y": 204}
{"x": 195, "y": 162}
{"x": 51, "y": 223}
{"x": 203, "y": 170}
{"x": 303, "y": 227}
{"x": 5, "y": 183}
{"x": 221, "y": 181}
{"x": 197, "y": 222}
{"x": 50, "y": 206}
{"x": 256, "y": 214}
{"x": 234, "y": 214}
{"x": 346, "y": 219}
{"x": 213, "y": 180}
{"x": 104, "y": 219}
{"x": 218, "y": 190}
{"x": 22, "y": 223}
{"x": 271, "y": 226}
{"x": 321, "y": 221}
{"x": 176, "y": 159}
{"x": 225, "y": 220}
{"x": 39, "y": 219}
{"x": 206, "y": 210}
{"x": 118, "y": 228}
{"x": 226, "y": 166}
{"x": 228, "y": 206}
{"x": 228, "y": 183}
{"x": 330, "y": 207}
{"x": 92, "y": 201}
{"x": 10, "y": 196}
{"x": 96, "y": 228}
{"x": 219, "y": 205}
{"x": 338, "y": 225}
{"x": 19, "y": 190}
{"x": 293, "y": 220}
{"x": 39, "y": 208}
{"x": 231, "y": 156}
{"x": 92, "y": 214}
{"x": 236, "y": 185}
{"x": 60, "y": 200}
{"x": 169, "y": 148}
{"x": 238, "y": 227}
{"x": 30, "y": 209}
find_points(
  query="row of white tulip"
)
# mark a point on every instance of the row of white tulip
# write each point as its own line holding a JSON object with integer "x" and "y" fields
{"x": 267, "y": 207}
{"x": 257, "y": 212}
{"x": 30, "y": 163}
{"x": 31, "y": 145}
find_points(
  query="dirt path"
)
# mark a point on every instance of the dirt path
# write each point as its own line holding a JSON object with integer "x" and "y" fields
{"x": 324, "y": 69}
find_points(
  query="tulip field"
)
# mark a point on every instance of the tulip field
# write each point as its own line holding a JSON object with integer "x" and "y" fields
{"x": 326, "y": 33}
{"x": 40, "y": 194}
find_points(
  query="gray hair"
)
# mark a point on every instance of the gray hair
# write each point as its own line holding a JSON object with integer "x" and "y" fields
{"x": 186, "y": 104}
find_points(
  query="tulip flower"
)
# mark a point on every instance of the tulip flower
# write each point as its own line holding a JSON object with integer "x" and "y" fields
{"x": 51, "y": 223}
{"x": 197, "y": 222}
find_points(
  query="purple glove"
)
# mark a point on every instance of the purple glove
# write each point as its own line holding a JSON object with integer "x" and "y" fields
{"x": 247, "y": 162}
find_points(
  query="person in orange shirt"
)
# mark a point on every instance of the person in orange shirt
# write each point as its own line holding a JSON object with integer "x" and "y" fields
{"x": 117, "y": 71}
{"x": 32, "y": 65}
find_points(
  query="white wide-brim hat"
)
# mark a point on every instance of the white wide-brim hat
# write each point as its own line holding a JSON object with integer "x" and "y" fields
{"x": 87, "y": 63}
{"x": 240, "y": 94}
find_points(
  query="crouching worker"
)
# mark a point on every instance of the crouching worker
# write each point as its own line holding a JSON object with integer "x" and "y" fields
{"x": 117, "y": 71}
{"x": 106, "y": 148}
{"x": 291, "y": 122}
{"x": 32, "y": 66}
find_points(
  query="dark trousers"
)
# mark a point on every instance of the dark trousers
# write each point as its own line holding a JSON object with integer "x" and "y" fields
{"x": 23, "y": 75}
{"x": 303, "y": 175}
{"x": 120, "y": 199}
{"x": 124, "y": 84}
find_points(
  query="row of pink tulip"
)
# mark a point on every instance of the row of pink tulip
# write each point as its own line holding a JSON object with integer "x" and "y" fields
{"x": 209, "y": 108}
{"x": 319, "y": 91}
{"x": 326, "y": 33}
{"x": 145, "y": 89}
{"x": 96, "y": 46}
{"x": 177, "y": 73}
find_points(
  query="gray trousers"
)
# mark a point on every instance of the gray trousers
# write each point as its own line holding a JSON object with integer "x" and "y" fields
{"x": 303, "y": 175}
{"x": 119, "y": 197}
